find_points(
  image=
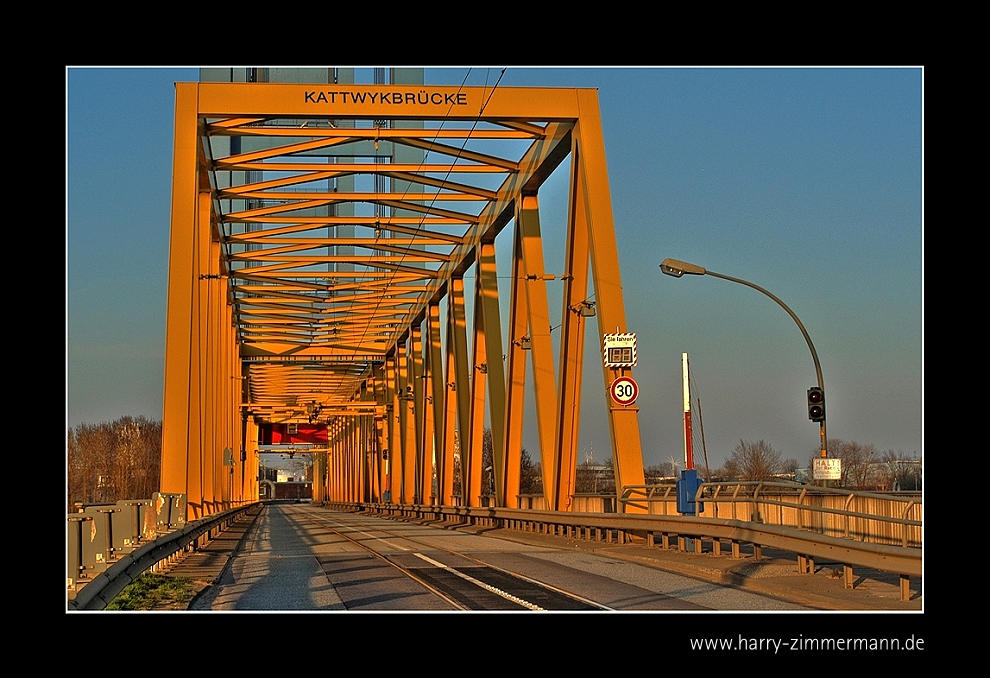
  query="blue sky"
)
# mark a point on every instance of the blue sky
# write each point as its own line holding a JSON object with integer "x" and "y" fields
{"x": 805, "y": 181}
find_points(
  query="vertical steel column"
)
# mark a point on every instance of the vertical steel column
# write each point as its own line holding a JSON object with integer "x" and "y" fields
{"x": 215, "y": 477}
{"x": 515, "y": 399}
{"x": 627, "y": 452}
{"x": 346, "y": 472}
{"x": 319, "y": 477}
{"x": 367, "y": 447}
{"x": 353, "y": 467}
{"x": 451, "y": 445}
{"x": 402, "y": 455}
{"x": 420, "y": 492}
{"x": 572, "y": 335}
{"x": 407, "y": 423}
{"x": 488, "y": 363}
{"x": 373, "y": 491}
{"x": 474, "y": 441}
{"x": 251, "y": 450}
{"x": 488, "y": 279}
{"x": 367, "y": 451}
{"x": 199, "y": 479}
{"x": 179, "y": 338}
{"x": 340, "y": 459}
{"x": 438, "y": 385}
{"x": 457, "y": 363}
{"x": 361, "y": 457}
{"x": 363, "y": 482}
{"x": 245, "y": 472}
{"x": 337, "y": 486}
{"x": 331, "y": 453}
{"x": 343, "y": 488}
{"x": 382, "y": 431}
{"x": 377, "y": 463}
{"x": 544, "y": 380}
{"x": 350, "y": 460}
{"x": 394, "y": 464}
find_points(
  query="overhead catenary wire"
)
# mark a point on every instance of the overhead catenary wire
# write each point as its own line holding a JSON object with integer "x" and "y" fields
{"x": 419, "y": 226}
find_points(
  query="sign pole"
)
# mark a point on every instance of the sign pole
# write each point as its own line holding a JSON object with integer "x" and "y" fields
{"x": 688, "y": 440}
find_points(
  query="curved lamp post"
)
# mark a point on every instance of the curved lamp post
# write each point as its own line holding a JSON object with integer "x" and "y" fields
{"x": 675, "y": 268}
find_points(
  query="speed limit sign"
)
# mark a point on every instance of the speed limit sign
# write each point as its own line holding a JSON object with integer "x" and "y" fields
{"x": 624, "y": 390}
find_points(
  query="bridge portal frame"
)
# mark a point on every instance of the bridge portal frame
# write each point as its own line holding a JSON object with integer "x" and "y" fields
{"x": 425, "y": 387}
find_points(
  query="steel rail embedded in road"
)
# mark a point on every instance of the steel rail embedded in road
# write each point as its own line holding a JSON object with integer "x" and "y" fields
{"x": 512, "y": 587}
{"x": 903, "y": 561}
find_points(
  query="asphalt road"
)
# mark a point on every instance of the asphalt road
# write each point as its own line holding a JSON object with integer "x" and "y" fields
{"x": 300, "y": 557}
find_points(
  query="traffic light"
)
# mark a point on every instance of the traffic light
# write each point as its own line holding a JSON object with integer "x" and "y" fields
{"x": 816, "y": 404}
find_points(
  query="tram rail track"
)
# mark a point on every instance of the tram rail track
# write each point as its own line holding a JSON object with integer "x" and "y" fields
{"x": 521, "y": 592}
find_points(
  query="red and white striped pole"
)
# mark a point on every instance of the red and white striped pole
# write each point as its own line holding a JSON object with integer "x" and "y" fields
{"x": 688, "y": 443}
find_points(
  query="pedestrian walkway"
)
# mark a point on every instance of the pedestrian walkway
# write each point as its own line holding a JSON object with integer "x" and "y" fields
{"x": 205, "y": 565}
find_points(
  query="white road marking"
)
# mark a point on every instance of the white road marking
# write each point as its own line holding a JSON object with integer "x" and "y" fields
{"x": 489, "y": 587}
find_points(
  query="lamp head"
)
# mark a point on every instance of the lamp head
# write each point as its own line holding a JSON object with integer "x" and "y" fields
{"x": 676, "y": 268}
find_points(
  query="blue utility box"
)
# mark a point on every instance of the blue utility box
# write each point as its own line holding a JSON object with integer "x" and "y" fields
{"x": 687, "y": 488}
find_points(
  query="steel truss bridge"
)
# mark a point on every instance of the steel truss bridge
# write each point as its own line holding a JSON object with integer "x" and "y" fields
{"x": 322, "y": 237}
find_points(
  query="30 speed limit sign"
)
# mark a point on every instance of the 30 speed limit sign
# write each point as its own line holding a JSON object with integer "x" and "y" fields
{"x": 624, "y": 390}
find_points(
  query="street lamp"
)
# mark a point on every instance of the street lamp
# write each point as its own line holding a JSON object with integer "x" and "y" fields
{"x": 675, "y": 268}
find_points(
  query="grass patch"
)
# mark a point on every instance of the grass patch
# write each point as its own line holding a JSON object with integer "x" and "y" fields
{"x": 153, "y": 591}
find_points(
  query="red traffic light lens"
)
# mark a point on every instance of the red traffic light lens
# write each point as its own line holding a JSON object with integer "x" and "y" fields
{"x": 816, "y": 403}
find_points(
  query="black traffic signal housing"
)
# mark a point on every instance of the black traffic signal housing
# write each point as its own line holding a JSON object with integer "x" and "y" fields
{"x": 816, "y": 403}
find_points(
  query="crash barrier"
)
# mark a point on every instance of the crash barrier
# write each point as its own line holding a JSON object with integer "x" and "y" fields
{"x": 98, "y": 534}
{"x": 103, "y": 570}
{"x": 880, "y": 518}
{"x": 689, "y": 533}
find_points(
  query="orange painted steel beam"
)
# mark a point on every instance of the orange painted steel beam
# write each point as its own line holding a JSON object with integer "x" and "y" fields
{"x": 271, "y": 100}
{"x": 438, "y": 390}
{"x": 487, "y": 309}
{"x": 473, "y": 443}
{"x": 420, "y": 492}
{"x": 544, "y": 379}
{"x": 575, "y": 296}
{"x": 515, "y": 376}
{"x": 627, "y": 453}
{"x": 393, "y": 432}
{"x": 407, "y": 425}
{"x": 458, "y": 371}
{"x": 291, "y": 282}
{"x": 178, "y": 394}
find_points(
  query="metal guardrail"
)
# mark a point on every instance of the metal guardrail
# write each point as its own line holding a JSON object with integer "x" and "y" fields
{"x": 805, "y": 539}
{"x": 866, "y": 516}
{"x": 96, "y": 593}
{"x": 903, "y": 561}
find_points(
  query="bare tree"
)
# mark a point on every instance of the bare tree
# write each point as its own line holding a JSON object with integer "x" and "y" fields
{"x": 861, "y": 465}
{"x": 753, "y": 461}
{"x": 730, "y": 470}
{"x": 901, "y": 473}
{"x": 530, "y": 475}
{"x": 595, "y": 477}
{"x": 655, "y": 473}
{"x": 115, "y": 460}
{"x": 487, "y": 464}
